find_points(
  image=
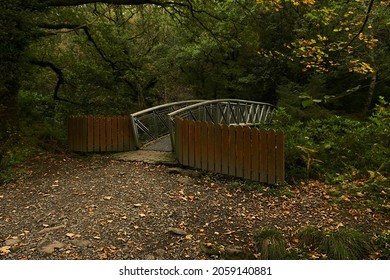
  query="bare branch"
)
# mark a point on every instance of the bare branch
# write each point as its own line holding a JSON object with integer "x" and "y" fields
{"x": 65, "y": 3}
{"x": 371, "y": 4}
{"x": 59, "y": 74}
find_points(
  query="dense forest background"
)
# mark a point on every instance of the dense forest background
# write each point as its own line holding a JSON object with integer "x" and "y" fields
{"x": 325, "y": 64}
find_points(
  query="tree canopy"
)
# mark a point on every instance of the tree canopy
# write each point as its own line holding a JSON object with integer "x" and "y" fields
{"x": 61, "y": 57}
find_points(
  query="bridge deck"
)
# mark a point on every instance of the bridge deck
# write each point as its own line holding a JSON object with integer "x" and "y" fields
{"x": 163, "y": 144}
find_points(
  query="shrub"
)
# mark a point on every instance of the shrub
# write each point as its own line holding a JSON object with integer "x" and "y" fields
{"x": 270, "y": 244}
{"x": 346, "y": 244}
{"x": 325, "y": 148}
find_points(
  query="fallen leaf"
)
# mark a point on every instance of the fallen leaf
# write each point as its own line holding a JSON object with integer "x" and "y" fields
{"x": 70, "y": 235}
{"x": 192, "y": 197}
{"x": 189, "y": 236}
{"x": 107, "y": 197}
{"x": 4, "y": 250}
{"x": 142, "y": 215}
{"x": 137, "y": 205}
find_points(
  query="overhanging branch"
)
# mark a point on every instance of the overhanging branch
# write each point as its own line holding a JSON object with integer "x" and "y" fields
{"x": 67, "y": 3}
{"x": 59, "y": 74}
{"x": 370, "y": 5}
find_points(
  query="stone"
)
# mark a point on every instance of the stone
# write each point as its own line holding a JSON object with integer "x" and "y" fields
{"x": 12, "y": 241}
{"x": 49, "y": 247}
{"x": 160, "y": 252}
{"x": 81, "y": 243}
{"x": 49, "y": 229}
{"x": 177, "y": 231}
{"x": 185, "y": 181}
{"x": 149, "y": 257}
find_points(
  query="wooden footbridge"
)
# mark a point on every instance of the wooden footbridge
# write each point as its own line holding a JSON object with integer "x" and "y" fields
{"x": 223, "y": 136}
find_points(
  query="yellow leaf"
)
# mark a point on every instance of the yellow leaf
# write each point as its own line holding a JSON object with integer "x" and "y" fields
{"x": 70, "y": 235}
{"x": 4, "y": 250}
{"x": 189, "y": 236}
{"x": 372, "y": 174}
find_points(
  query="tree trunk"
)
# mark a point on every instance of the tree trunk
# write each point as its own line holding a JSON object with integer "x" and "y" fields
{"x": 370, "y": 95}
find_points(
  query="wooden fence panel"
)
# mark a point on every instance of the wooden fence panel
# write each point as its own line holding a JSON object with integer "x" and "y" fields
{"x": 217, "y": 148}
{"x": 191, "y": 141}
{"x": 243, "y": 152}
{"x": 198, "y": 145}
{"x": 280, "y": 161}
{"x": 211, "y": 147}
{"x": 120, "y": 133}
{"x": 100, "y": 134}
{"x": 231, "y": 151}
{"x": 247, "y": 153}
{"x": 271, "y": 162}
{"x": 224, "y": 149}
{"x": 204, "y": 142}
{"x": 255, "y": 172}
{"x": 263, "y": 157}
{"x": 239, "y": 151}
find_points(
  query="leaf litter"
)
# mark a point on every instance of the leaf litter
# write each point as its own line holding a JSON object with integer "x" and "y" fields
{"x": 98, "y": 208}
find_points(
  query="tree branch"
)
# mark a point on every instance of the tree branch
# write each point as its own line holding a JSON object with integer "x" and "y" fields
{"x": 370, "y": 5}
{"x": 59, "y": 74}
{"x": 65, "y": 3}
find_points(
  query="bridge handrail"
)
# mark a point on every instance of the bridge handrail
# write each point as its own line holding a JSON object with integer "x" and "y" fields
{"x": 159, "y": 111}
{"x": 179, "y": 112}
{"x": 228, "y": 111}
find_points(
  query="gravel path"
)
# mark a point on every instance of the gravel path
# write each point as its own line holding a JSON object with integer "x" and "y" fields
{"x": 99, "y": 207}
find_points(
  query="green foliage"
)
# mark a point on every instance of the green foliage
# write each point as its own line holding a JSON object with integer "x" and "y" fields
{"x": 270, "y": 244}
{"x": 342, "y": 244}
{"x": 323, "y": 148}
{"x": 346, "y": 244}
{"x": 309, "y": 238}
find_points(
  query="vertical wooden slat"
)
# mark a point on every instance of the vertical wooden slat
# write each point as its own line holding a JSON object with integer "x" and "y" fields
{"x": 191, "y": 143}
{"x": 102, "y": 129}
{"x": 126, "y": 133}
{"x": 198, "y": 145}
{"x": 109, "y": 134}
{"x": 271, "y": 157}
{"x": 90, "y": 134}
{"x": 78, "y": 134}
{"x": 70, "y": 133}
{"x": 263, "y": 158}
{"x": 114, "y": 133}
{"x": 210, "y": 147}
{"x": 280, "y": 175}
{"x": 84, "y": 135}
{"x": 204, "y": 143}
{"x": 225, "y": 149}
{"x": 96, "y": 134}
{"x": 218, "y": 148}
{"x": 255, "y": 155}
{"x": 120, "y": 133}
{"x": 239, "y": 151}
{"x": 184, "y": 142}
{"x": 232, "y": 151}
{"x": 247, "y": 153}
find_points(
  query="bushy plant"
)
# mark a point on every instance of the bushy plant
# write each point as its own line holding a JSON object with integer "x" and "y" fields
{"x": 346, "y": 244}
{"x": 324, "y": 148}
{"x": 270, "y": 244}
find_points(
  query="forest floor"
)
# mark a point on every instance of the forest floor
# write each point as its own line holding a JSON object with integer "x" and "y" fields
{"x": 67, "y": 206}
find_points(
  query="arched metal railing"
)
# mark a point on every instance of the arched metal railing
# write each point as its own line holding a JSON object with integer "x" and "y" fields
{"x": 152, "y": 123}
{"x": 225, "y": 111}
